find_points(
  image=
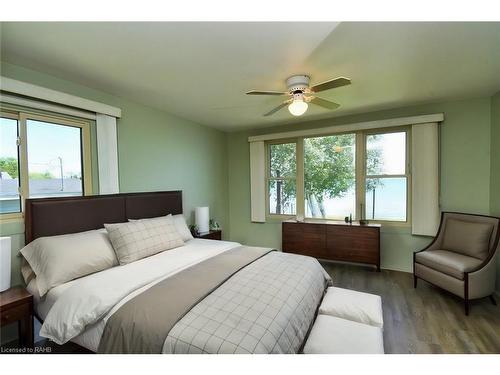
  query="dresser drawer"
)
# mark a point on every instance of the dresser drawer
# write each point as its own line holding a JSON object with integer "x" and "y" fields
{"x": 356, "y": 245}
{"x": 13, "y": 314}
{"x": 305, "y": 239}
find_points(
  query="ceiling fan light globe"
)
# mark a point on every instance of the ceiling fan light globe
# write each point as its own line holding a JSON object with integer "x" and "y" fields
{"x": 298, "y": 107}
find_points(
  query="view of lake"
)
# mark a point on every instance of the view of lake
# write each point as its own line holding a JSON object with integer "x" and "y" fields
{"x": 390, "y": 202}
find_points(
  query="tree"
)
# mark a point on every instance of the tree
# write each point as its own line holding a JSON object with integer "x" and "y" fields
{"x": 329, "y": 170}
{"x": 9, "y": 165}
{"x": 283, "y": 168}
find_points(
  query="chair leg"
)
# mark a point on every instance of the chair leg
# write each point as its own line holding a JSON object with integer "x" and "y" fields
{"x": 414, "y": 281}
{"x": 492, "y": 299}
{"x": 466, "y": 293}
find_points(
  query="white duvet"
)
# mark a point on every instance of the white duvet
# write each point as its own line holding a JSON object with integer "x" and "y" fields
{"x": 82, "y": 307}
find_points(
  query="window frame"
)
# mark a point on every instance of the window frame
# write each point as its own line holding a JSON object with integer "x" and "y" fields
{"x": 360, "y": 174}
{"x": 14, "y": 215}
{"x": 22, "y": 116}
{"x": 356, "y": 172}
{"x": 269, "y": 177}
{"x": 407, "y": 174}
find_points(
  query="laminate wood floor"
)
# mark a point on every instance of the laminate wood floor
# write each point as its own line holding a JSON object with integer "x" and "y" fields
{"x": 426, "y": 319}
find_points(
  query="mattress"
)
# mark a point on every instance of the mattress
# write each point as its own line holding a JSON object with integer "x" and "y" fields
{"x": 170, "y": 262}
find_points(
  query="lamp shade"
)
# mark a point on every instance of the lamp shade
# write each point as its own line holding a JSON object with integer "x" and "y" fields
{"x": 4, "y": 263}
{"x": 202, "y": 218}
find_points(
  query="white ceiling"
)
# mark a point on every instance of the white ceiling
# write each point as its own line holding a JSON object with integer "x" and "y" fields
{"x": 200, "y": 71}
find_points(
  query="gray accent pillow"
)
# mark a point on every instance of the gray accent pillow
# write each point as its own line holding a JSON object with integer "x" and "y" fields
{"x": 135, "y": 240}
{"x": 56, "y": 260}
{"x": 467, "y": 238}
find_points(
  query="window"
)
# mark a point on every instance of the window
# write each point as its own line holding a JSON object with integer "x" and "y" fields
{"x": 54, "y": 159}
{"x": 282, "y": 173}
{"x": 42, "y": 156}
{"x": 363, "y": 174}
{"x": 10, "y": 199}
{"x": 330, "y": 176}
{"x": 386, "y": 179}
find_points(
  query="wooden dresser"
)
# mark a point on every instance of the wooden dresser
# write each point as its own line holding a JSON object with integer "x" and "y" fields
{"x": 333, "y": 240}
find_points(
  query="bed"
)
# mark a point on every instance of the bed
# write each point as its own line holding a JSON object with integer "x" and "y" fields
{"x": 206, "y": 296}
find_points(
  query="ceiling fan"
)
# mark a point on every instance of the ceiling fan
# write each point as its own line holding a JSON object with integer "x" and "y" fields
{"x": 300, "y": 94}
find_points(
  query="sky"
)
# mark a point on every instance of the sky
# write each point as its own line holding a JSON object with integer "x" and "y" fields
{"x": 46, "y": 143}
{"x": 393, "y": 146}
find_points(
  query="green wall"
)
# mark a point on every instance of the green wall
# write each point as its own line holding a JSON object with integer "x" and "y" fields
{"x": 495, "y": 165}
{"x": 156, "y": 151}
{"x": 465, "y": 174}
{"x": 495, "y": 155}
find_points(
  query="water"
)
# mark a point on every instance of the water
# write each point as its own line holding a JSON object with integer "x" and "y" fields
{"x": 390, "y": 202}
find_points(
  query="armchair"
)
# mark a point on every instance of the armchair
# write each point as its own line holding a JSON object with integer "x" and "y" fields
{"x": 461, "y": 258}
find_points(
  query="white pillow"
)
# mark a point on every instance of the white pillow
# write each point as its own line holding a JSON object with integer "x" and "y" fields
{"x": 142, "y": 238}
{"x": 182, "y": 228}
{"x": 352, "y": 305}
{"x": 180, "y": 225}
{"x": 27, "y": 271}
{"x": 56, "y": 260}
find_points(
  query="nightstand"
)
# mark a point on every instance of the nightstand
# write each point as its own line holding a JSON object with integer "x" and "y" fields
{"x": 16, "y": 305}
{"x": 210, "y": 235}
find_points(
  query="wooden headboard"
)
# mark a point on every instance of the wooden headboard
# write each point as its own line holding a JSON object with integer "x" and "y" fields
{"x": 54, "y": 216}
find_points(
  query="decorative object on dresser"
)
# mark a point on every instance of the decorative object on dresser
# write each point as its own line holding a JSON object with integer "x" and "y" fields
{"x": 461, "y": 258}
{"x": 16, "y": 305}
{"x": 5, "y": 254}
{"x": 210, "y": 235}
{"x": 333, "y": 240}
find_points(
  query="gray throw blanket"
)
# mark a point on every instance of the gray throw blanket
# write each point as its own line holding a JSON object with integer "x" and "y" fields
{"x": 247, "y": 300}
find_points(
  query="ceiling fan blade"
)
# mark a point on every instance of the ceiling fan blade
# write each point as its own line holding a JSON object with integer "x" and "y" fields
{"x": 331, "y": 84}
{"x": 324, "y": 103}
{"x": 256, "y": 92}
{"x": 274, "y": 110}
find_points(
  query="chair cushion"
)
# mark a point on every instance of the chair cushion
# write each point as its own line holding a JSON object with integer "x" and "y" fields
{"x": 352, "y": 305}
{"x": 331, "y": 335}
{"x": 448, "y": 262}
{"x": 467, "y": 238}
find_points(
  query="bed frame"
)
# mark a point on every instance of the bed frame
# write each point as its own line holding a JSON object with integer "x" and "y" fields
{"x": 55, "y": 216}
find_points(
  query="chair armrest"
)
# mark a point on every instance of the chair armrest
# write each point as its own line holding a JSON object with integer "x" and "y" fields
{"x": 482, "y": 279}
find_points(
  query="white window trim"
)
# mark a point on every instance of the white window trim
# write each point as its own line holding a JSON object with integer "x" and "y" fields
{"x": 107, "y": 154}
{"x": 33, "y": 91}
{"x": 257, "y": 182}
{"x": 351, "y": 128}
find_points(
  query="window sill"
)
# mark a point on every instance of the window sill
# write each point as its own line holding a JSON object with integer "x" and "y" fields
{"x": 11, "y": 218}
{"x": 279, "y": 218}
